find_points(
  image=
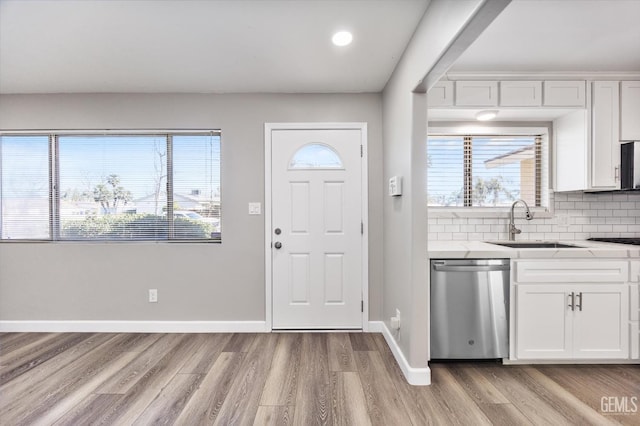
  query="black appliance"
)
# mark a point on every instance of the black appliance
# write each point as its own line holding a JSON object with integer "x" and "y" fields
{"x": 630, "y": 165}
{"x": 634, "y": 241}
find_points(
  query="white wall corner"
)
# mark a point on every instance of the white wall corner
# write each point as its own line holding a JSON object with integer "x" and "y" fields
{"x": 415, "y": 376}
{"x": 133, "y": 327}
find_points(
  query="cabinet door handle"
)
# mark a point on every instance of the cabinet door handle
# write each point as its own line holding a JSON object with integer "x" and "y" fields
{"x": 580, "y": 299}
{"x": 572, "y": 304}
{"x": 617, "y": 173}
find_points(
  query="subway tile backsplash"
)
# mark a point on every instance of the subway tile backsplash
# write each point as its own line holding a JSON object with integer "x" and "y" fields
{"x": 575, "y": 216}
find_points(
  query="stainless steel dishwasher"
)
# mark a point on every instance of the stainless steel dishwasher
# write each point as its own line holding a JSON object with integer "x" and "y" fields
{"x": 469, "y": 308}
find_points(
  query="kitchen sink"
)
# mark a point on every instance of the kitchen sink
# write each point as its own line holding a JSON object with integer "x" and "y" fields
{"x": 532, "y": 244}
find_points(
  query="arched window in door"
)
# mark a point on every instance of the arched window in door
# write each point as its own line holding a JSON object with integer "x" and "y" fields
{"x": 315, "y": 156}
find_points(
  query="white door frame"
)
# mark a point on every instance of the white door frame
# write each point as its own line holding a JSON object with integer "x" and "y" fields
{"x": 268, "y": 128}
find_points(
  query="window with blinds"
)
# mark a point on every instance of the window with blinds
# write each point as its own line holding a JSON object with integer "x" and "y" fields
{"x": 117, "y": 187}
{"x": 485, "y": 171}
{"x": 25, "y": 207}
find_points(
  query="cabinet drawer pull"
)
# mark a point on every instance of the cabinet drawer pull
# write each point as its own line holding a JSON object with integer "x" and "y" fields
{"x": 580, "y": 299}
{"x": 572, "y": 303}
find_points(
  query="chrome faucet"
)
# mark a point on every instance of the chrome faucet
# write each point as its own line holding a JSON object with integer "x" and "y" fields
{"x": 512, "y": 227}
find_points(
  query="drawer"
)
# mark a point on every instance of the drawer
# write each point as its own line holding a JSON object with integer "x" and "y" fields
{"x": 571, "y": 271}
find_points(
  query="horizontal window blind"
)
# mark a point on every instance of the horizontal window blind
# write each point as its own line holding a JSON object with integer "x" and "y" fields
{"x": 111, "y": 187}
{"x": 485, "y": 171}
{"x": 24, "y": 187}
{"x": 103, "y": 179}
{"x": 445, "y": 173}
{"x": 196, "y": 186}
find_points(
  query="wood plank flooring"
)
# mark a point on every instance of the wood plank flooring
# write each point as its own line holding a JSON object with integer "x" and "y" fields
{"x": 287, "y": 379}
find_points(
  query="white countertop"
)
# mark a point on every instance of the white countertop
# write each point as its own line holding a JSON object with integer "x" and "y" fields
{"x": 483, "y": 250}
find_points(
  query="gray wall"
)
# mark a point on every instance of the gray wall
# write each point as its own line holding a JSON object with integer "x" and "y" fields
{"x": 207, "y": 282}
{"x": 405, "y": 224}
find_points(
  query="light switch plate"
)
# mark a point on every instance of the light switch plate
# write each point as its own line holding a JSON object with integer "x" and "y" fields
{"x": 395, "y": 186}
{"x": 255, "y": 208}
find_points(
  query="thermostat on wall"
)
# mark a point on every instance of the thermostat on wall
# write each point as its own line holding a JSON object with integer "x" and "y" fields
{"x": 395, "y": 186}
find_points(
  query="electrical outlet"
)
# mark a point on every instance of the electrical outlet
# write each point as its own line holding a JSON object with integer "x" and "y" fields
{"x": 153, "y": 295}
{"x": 395, "y": 321}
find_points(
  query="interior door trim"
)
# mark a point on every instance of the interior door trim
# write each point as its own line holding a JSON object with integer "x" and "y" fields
{"x": 268, "y": 239}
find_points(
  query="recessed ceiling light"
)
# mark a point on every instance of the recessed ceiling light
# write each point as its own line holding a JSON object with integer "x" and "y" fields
{"x": 486, "y": 115}
{"x": 342, "y": 38}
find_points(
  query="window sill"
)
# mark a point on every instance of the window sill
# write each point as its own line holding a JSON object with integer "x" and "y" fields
{"x": 489, "y": 212}
{"x": 109, "y": 242}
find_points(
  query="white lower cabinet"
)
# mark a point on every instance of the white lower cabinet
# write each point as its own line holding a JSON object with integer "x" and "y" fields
{"x": 558, "y": 321}
{"x": 543, "y": 324}
{"x": 570, "y": 309}
{"x": 634, "y": 312}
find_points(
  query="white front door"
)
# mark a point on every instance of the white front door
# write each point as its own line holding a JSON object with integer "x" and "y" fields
{"x": 316, "y": 228}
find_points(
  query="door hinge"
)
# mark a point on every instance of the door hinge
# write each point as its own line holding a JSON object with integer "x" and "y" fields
{"x": 361, "y": 151}
{"x": 362, "y": 306}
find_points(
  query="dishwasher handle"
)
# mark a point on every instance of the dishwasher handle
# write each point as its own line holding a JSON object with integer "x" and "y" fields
{"x": 469, "y": 268}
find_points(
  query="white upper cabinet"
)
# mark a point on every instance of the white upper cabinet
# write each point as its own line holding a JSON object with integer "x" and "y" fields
{"x": 477, "y": 93}
{"x": 630, "y": 111}
{"x": 564, "y": 94}
{"x": 571, "y": 151}
{"x": 521, "y": 93}
{"x": 441, "y": 94}
{"x": 605, "y": 135}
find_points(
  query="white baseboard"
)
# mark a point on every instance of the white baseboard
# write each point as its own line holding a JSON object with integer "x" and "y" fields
{"x": 134, "y": 326}
{"x": 415, "y": 376}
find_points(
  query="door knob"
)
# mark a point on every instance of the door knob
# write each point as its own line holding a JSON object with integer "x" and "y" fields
{"x": 278, "y": 245}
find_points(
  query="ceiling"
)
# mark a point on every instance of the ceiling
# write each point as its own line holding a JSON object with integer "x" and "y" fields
{"x": 204, "y": 46}
{"x": 226, "y": 46}
{"x": 559, "y": 38}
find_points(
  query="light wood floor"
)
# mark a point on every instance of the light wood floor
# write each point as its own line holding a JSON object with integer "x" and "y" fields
{"x": 280, "y": 379}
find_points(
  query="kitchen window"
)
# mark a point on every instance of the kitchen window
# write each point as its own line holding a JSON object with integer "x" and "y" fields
{"x": 486, "y": 171}
{"x": 155, "y": 186}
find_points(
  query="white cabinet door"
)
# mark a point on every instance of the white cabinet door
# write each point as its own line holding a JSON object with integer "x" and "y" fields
{"x": 556, "y": 321}
{"x": 605, "y": 140}
{"x": 477, "y": 93}
{"x": 634, "y": 340}
{"x": 520, "y": 93}
{"x": 564, "y": 94}
{"x": 630, "y": 111}
{"x": 441, "y": 94}
{"x": 600, "y": 322}
{"x": 634, "y": 302}
{"x": 571, "y": 145}
{"x": 543, "y": 322}
{"x": 634, "y": 316}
